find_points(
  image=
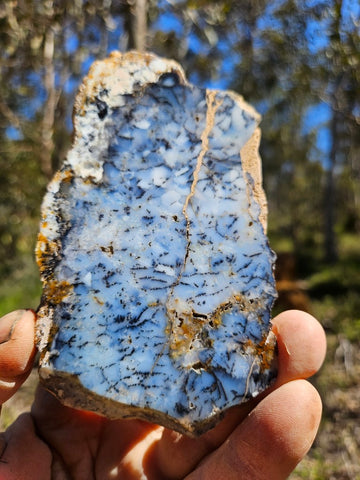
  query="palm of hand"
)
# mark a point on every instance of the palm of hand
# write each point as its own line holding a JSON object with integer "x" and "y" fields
{"x": 69, "y": 444}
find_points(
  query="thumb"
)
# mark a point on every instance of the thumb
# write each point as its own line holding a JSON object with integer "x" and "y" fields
{"x": 17, "y": 350}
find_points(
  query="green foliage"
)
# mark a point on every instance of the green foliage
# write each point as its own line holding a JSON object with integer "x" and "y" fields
{"x": 340, "y": 314}
{"x": 344, "y": 276}
{"x": 21, "y": 288}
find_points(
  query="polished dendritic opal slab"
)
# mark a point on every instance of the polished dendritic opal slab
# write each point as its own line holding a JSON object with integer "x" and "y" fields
{"x": 157, "y": 274}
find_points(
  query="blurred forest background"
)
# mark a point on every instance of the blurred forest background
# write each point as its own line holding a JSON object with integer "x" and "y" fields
{"x": 298, "y": 63}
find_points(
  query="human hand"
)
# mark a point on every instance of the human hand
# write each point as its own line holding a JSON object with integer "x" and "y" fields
{"x": 262, "y": 439}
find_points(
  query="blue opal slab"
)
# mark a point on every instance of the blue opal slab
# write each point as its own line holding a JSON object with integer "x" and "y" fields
{"x": 157, "y": 274}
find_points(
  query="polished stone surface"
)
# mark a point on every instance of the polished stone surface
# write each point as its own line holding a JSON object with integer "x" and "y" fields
{"x": 157, "y": 274}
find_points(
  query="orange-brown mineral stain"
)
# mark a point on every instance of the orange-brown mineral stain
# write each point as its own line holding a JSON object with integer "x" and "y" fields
{"x": 68, "y": 175}
{"x": 44, "y": 250}
{"x": 183, "y": 332}
{"x": 185, "y": 327}
{"x": 98, "y": 300}
{"x": 63, "y": 176}
{"x": 264, "y": 350}
{"x": 55, "y": 291}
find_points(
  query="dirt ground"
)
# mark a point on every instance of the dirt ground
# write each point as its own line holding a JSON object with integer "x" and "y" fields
{"x": 335, "y": 454}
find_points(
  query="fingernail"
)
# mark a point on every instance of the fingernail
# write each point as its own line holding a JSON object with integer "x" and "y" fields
{"x": 7, "y": 324}
{"x": 280, "y": 338}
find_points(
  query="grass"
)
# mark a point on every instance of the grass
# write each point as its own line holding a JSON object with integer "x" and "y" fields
{"x": 335, "y": 300}
{"x": 22, "y": 289}
{"x": 336, "y": 451}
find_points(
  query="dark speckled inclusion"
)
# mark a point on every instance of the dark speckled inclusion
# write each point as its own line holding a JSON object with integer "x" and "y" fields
{"x": 156, "y": 269}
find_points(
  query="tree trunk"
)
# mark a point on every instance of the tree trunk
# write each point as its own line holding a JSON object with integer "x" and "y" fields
{"x": 331, "y": 253}
{"x": 47, "y": 127}
{"x": 355, "y": 176}
{"x": 137, "y": 25}
{"x": 330, "y": 244}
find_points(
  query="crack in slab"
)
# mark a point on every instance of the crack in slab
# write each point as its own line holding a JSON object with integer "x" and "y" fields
{"x": 212, "y": 106}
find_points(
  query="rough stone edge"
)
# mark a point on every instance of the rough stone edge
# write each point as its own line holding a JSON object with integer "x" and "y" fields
{"x": 103, "y": 71}
{"x": 100, "y": 72}
{"x": 252, "y": 165}
{"x": 65, "y": 388}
